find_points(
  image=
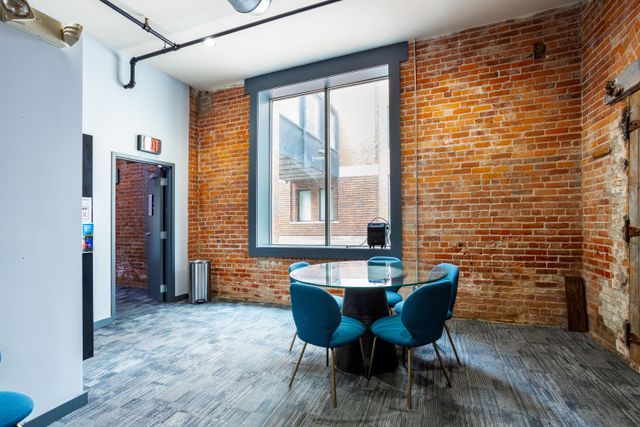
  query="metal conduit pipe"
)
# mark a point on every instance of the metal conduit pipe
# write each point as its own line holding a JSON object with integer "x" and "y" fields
{"x": 175, "y": 46}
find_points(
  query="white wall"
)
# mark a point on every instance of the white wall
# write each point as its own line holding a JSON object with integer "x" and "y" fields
{"x": 40, "y": 190}
{"x": 158, "y": 106}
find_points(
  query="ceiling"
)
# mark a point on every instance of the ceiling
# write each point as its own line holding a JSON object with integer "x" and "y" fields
{"x": 337, "y": 29}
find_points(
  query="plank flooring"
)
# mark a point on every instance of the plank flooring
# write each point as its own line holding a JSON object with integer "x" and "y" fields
{"x": 225, "y": 363}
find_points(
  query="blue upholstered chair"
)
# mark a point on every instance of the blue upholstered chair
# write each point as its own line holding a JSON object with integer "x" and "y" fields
{"x": 452, "y": 274}
{"x": 393, "y": 297}
{"x": 339, "y": 300}
{"x": 319, "y": 322}
{"x": 14, "y": 407}
{"x": 420, "y": 323}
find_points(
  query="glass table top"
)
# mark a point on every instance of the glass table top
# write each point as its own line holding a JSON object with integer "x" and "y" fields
{"x": 363, "y": 274}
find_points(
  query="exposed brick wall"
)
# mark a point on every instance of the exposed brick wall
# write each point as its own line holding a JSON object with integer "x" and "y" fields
{"x": 499, "y": 172}
{"x": 193, "y": 239}
{"x": 611, "y": 41}
{"x": 499, "y": 163}
{"x": 131, "y": 261}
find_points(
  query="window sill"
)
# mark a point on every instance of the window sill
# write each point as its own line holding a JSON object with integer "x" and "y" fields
{"x": 321, "y": 252}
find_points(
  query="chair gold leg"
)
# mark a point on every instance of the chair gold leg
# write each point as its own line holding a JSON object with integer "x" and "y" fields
{"x": 453, "y": 346}
{"x": 333, "y": 376}
{"x": 327, "y": 358}
{"x": 297, "y": 364}
{"x": 409, "y": 393}
{"x": 373, "y": 351}
{"x": 435, "y": 347}
{"x": 293, "y": 340}
{"x": 364, "y": 364}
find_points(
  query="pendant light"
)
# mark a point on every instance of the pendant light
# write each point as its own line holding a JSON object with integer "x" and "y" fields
{"x": 255, "y": 7}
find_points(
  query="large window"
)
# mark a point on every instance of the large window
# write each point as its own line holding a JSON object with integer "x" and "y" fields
{"x": 329, "y": 141}
{"x": 355, "y": 161}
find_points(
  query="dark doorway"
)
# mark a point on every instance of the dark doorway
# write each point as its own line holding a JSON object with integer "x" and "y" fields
{"x": 143, "y": 230}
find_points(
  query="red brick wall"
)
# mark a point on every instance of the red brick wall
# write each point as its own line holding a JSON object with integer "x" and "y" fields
{"x": 498, "y": 163}
{"x": 131, "y": 261}
{"x": 611, "y": 41}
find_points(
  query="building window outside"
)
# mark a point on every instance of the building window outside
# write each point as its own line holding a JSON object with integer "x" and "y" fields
{"x": 358, "y": 131}
{"x": 322, "y": 200}
{"x": 313, "y": 140}
{"x": 304, "y": 205}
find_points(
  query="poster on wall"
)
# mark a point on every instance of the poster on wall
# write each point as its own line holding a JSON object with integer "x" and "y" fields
{"x": 87, "y": 238}
{"x": 87, "y": 214}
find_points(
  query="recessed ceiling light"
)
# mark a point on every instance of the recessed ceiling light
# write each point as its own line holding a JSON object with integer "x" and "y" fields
{"x": 210, "y": 42}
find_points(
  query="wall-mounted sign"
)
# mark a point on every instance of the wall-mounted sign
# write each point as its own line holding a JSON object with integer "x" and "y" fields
{"x": 149, "y": 144}
{"x": 87, "y": 238}
{"x": 87, "y": 214}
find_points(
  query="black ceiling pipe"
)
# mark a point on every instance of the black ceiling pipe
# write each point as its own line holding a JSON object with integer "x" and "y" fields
{"x": 175, "y": 46}
{"x": 144, "y": 25}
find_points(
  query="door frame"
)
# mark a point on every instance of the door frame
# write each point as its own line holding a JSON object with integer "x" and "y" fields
{"x": 170, "y": 199}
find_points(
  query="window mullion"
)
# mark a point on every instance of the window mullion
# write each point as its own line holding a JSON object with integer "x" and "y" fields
{"x": 327, "y": 168}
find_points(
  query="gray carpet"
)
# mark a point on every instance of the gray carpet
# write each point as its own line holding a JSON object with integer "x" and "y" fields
{"x": 228, "y": 363}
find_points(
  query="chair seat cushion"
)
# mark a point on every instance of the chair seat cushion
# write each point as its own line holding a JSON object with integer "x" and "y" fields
{"x": 339, "y": 300}
{"x": 348, "y": 331}
{"x": 393, "y": 331}
{"x": 393, "y": 298}
{"x": 14, "y": 407}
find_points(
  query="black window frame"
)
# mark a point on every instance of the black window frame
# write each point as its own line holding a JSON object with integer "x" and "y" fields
{"x": 257, "y": 87}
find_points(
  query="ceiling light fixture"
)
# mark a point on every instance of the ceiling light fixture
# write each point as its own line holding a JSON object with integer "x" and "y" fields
{"x": 254, "y": 7}
{"x": 210, "y": 42}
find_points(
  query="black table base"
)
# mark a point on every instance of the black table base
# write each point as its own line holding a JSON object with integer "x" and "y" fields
{"x": 366, "y": 305}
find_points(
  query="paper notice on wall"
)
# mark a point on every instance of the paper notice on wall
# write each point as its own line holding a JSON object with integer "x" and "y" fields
{"x": 87, "y": 214}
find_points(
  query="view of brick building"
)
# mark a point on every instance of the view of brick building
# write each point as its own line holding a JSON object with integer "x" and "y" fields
{"x": 359, "y": 141}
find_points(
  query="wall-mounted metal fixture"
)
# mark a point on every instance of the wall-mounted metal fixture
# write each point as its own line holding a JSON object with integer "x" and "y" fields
{"x": 623, "y": 85}
{"x": 539, "y": 50}
{"x": 627, "y": 125}
{"x": 173, "y": 47}
{"x": 255, "y": 7}
{"x": 630, "y": 337}
{"x": 19, "y": 14}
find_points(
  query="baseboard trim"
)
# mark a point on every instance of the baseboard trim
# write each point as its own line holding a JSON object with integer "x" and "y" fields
{"x": 59, "y": 412}
{"x": 104, "y": 322}
{"x": 180, "y": 297}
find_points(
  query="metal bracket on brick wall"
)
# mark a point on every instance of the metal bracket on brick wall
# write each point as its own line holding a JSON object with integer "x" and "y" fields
{"x": 629, "y": 337}
{"x": 623, "y": 85}
{"x": 629, "y": 230}
{"x": 627, "y": 125}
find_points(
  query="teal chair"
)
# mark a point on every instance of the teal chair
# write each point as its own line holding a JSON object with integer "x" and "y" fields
{"x": 339, "y": 300}
{"x": 14, "y": 407}
{"x": 452, "y": 274}
{"x": 420, "y": 323}
{"x": 319, "y": 322}
{"x": 393, "y": 297}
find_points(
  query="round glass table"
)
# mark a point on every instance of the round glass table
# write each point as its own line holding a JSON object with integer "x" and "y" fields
{"x": 365, "y": 284}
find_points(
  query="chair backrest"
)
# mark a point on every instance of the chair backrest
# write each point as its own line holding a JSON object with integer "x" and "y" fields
{"x": 315, "y": 313}
{"x": 425, "y": 311}
{"x": 384, "y": 259}
{"x": 295, "y": 266}
{"x": 452, "y": 274}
